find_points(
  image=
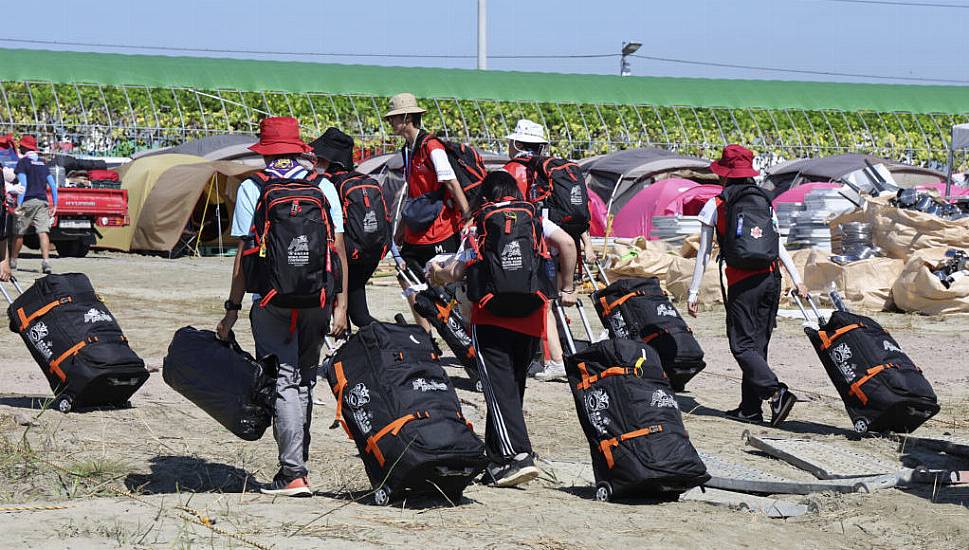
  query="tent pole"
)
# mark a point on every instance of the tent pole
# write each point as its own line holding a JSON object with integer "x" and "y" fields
{"x": 205, "y": 211}
{"x": 948, "y": 174}
{"x": 612, "y": 197}
{"x": 218, "y": 211}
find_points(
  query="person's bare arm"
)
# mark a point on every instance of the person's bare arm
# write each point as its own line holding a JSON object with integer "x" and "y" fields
{"x": 339, "y": 324}
{"x": 454, "y": 187}
{"x": 4, "y": 259}
{"x": 567, "y": 260}
{"x": 587, "y": 251}
{"x": 237, "y": 291}
{"x": 444, "y": 273}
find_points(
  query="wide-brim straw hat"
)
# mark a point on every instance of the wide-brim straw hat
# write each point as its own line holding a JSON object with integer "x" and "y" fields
{"x": 403, "y": 104}
{"x": 527, "y": 131}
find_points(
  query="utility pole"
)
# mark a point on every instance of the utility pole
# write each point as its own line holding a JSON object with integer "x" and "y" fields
{"x": 482, "y": 35}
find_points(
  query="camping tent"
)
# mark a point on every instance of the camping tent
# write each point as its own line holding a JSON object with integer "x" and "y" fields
{"x": 797, "y": 194}
{"x": 617, "y": 177}
{"x": 785, "y": 175}
{"x": 668, "y": 197}
{"x": 167, "y": 192}
{"x": 217, "y": 147}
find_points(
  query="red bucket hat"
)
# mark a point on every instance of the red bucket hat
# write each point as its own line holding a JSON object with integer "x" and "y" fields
{"x": 280, "y": 136}
{"x": 28, "y": 142}
{"x": 6, "y": 141}
{"x": 735, "y": 162}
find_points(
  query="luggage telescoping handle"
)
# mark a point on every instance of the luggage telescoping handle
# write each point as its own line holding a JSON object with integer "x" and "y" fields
{"x": 591, "y": 276}
{"x": 585, "y": 320}
{"x": 15, "y": 285}
{"x": 812, "y": 304}
{"x": 560, "y": 318}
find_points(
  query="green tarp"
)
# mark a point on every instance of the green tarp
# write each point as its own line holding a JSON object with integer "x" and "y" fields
{"x": 245, "y": 75}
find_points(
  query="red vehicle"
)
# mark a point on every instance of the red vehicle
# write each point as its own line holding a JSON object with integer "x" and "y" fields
{"x": 80, "y": 212}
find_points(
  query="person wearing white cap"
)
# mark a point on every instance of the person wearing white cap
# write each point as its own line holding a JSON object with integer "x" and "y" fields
{"x": 525, "y": 142}
{"x": 431, "y": 223}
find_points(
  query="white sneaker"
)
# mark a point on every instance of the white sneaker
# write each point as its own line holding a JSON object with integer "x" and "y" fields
{"x": 554, "y": 372}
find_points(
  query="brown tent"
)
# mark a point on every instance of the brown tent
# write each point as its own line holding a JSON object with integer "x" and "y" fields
{"x": 185, "y": 200}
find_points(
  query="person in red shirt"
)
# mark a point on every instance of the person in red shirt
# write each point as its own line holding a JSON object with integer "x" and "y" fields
{"x": 752, "y": 299}
{"x": 506, "y": 346}
{"x": 431, "y": 179}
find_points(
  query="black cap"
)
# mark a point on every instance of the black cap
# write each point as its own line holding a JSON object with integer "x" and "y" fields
{"x": 334, "y": 146}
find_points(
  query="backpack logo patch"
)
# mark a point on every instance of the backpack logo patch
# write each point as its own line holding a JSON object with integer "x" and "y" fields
{"x": 511, "y": 256}
{"x": 298, "y": 253}
{"x": 575, "y": 196}
{"x": 891, "y": 347}
{"x": 37, "y": 334}
{"x": 661, "y": 399}
{"x": 423, "y": 385}
{"x": 841, "y": 354}
{"x": 666, "y": 310}
{"x": 358, "y": 396}
{"x": 756, "y": 232}
{"x": 370, "y": 222}
{"x": 95, "y": 315}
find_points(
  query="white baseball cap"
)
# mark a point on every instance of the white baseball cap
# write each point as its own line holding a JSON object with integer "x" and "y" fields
{"x": 527, "y": 131}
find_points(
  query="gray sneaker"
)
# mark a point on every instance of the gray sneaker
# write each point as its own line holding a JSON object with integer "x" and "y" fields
{"x": 45, "y": 267}
{"x": 13, "y": 265}
{"x": 554, "y": 372}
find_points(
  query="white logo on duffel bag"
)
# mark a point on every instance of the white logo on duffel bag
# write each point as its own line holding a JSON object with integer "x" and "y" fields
{"x": 662, "y": 399}
{"x": 597, "y": 401}
{"x": 37, "y": 334}
{"x": 891, "y": 347}
{"x": 618, "y": 325}
{"x": 666, "y": 310}
{"x": 364, "y": 420}
{"x": 95, "y": 315}
{"x": 841, "y": 354}
{"x": 358, "y": 396}
{"x": 422, "y": 384}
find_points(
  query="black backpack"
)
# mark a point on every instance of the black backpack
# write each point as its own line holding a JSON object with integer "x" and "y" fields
{"x": 469, "y": 167}
{"x": 507, "y": 276}
{"x": 291, "y": 261}
{"x": 559, "y": 185}
{"x": 748, "y": 237}
{"x": 366, "y": 219}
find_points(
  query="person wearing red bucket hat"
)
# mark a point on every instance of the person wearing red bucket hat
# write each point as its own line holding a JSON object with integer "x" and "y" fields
{"x": 744, "y": 223}
{"x": 33, "y": 209}
{"x": 8, "y": 201}
{"x": 288, "y": 266}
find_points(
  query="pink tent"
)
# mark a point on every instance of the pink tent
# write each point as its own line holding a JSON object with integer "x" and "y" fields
{"x": 668, "y": 197}
{"x": 957, "y": 191}
{"x": 597, "y": 213}
{"x": 797, "y": 194}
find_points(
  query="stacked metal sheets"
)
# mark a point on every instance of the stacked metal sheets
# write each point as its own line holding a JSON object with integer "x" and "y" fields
{"x": 809, "y": 226}
{"x": 675, "y": 229}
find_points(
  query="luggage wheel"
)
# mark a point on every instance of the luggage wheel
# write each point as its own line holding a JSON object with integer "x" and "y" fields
{"x": 861, "y": 425}
{"x": 381, "y": 497}
{"x": 603, "y": 491}
{"x": 64, "y": 403}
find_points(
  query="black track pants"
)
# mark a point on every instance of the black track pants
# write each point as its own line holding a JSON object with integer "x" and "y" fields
{"x": 357, "y": 276}
{"x": 751, "y": 316}
{"x": 503, "y": 359}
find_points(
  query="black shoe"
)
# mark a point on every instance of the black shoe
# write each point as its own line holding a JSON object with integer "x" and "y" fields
{"x": 739, "y": 415}
{"x": 781, "y": 404}
{"x": 520, "y": 470}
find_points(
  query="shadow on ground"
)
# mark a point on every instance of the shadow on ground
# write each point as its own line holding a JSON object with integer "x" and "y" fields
{"x": 175, "y": 474}
{"x": 690, "y": 406}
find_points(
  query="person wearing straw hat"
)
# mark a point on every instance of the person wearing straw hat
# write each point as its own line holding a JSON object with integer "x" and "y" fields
{"x": 431, "y": 223}
{"x": 752, "y": 295}
{"x": 33, "y": 209}
{"x": 294, "y": 336}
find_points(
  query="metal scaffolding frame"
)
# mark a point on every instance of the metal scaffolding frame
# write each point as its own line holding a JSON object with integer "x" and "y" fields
{"x": 120, "y": 120}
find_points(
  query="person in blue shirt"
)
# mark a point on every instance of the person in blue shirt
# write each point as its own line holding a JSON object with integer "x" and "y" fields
{"x": 32, "y": 207}
{"x": 295, "y": 337}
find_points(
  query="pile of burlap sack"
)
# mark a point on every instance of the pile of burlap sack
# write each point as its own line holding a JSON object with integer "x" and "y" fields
{"x": 914, "y": 244}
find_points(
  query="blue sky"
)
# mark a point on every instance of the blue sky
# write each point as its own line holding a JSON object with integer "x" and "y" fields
{"x": 923, "y": 42}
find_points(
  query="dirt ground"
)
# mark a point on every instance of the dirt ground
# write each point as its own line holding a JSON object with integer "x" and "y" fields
{"x": 164, "y": 475}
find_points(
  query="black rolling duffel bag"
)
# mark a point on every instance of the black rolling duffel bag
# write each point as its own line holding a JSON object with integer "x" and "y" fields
{"x": 882, "y": 389}
{"x": 442, "y": 312}
{"x": 399, "y": 407}
{"x": 77, "y": 342}
{"x": 222, "y": 380}
{"x": 630, "y": 416}
{"x": 638, "y": 308}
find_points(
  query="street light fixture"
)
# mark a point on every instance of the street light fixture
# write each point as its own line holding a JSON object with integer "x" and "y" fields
{"x": 628, "y": 48}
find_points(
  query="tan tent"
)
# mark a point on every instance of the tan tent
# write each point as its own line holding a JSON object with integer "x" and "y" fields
{"x": 166, "y": 192}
